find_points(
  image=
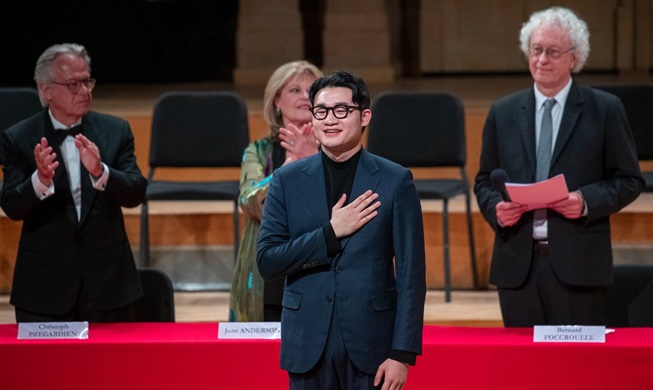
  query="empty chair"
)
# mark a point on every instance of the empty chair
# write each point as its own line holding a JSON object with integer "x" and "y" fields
{"x": 426, "y": 130}
{"x": 16, "y": 104}
{"x": 629, "y": 301}
{"x": 158, "y": 301}
{"x": 193, "y": 130}
{"x": 638, "y": 102}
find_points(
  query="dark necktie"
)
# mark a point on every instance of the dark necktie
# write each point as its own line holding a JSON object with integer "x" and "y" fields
{"x": 62, "y": 134}
{"x": 544, "y": 147}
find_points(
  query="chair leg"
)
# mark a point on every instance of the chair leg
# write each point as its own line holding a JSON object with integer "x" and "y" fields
{"x": 445, "y": 245}
{"x": 144, "y": 252}
{"x": 472, "y": 246}
{"x": 236, "y": 231}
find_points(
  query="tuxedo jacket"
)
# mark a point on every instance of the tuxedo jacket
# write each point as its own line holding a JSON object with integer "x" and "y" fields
{"x": 57, "y": 252}
{"x": 596, "y": 153}
{"x": 379, "y": 302}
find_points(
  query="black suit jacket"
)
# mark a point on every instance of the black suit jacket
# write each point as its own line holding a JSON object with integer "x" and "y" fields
{"x": 57, "y": 252}
{"x": 377, "y": 283}
{"x": 595, "y": 151}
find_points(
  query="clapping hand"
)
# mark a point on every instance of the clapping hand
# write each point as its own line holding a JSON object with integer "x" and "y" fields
{"x": 298, "y": 142}
{"x": 46, "y": 163}
{"x": 89, "y": 155}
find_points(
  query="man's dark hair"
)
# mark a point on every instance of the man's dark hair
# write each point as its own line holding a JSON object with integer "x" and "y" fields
{"x": 359, "y": 93}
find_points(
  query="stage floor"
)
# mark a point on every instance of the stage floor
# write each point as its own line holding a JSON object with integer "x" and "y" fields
{"x": 467, "y": 308}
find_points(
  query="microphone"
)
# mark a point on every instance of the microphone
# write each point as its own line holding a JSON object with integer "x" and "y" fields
{"x": 499, "y": 177}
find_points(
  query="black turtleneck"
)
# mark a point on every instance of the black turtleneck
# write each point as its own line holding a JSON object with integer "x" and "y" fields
{"x": 339, "y": 177}
{"x": 338, "y": 180}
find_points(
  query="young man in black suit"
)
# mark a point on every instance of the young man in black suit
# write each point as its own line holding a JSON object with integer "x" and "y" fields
{"x": 344, "y": 229}
{"x": 74, "y": 260}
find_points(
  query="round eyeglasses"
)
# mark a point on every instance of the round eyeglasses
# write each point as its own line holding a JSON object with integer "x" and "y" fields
{"x": 551, "y": 52}
{"x": 75, "y": 85}
{"x": 340, "y": 111}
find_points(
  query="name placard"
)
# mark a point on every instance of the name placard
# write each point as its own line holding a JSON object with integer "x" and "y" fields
{"x": 53, "y": 330}
{"x": 249, "y": 330}
{"x": 569, "y": 334}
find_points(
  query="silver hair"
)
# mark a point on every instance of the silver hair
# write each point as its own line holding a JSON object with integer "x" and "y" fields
{"x": 566, "y": 19}
{"x": 44, "y": 72}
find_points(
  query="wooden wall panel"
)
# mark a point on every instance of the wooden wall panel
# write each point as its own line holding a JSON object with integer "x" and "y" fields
{"x": 483, "y": 36}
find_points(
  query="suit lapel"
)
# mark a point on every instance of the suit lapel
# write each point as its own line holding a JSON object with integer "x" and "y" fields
{"x": 60, "y": 174}
{"x": 527, "y": 124}
{"x": 313, "y": 183}
{"x": 88, "y": 192}
{"x": 364, "y": 180}
{"x": 60, "y": 180}
{"x": 568, "y": 122}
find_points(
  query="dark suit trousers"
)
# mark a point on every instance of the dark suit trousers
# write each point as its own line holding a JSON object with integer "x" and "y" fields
{"x": 334, "y": 370}
{"x": 545, "y": 300}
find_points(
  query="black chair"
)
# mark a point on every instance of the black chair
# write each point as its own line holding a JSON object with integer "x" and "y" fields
{"x": 191, "y": 130}
{"x": 426, "y": 130}
{"x": 158, "y": 301}
{"x": 629, "y": 301}
{"x": 16, "y": 104}
{"x": 638, "y": 102}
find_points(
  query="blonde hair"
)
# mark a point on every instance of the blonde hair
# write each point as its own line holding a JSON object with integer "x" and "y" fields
{"x": 277, "y": 81}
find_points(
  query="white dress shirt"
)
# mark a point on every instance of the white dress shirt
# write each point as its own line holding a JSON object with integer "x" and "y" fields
{"x": 72, "y": 162}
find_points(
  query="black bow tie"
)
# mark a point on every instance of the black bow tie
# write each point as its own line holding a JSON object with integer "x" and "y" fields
{"x": 62, "y": 134}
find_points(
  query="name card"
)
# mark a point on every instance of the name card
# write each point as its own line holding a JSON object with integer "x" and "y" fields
{"x": 569, "y": 334}
{"x": 53, "y": 330}
{"x": 249, "y": 330}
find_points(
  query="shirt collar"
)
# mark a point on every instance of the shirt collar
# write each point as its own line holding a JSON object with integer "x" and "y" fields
{"x": 560, "y": 97}
{"x": 60, "y": 126}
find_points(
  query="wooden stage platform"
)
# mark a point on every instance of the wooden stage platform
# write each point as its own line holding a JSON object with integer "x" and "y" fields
{"x": 209, "y": 223}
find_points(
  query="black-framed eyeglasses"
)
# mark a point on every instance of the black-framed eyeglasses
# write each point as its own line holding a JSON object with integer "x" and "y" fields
{"x": 340, "y": 111}
{"x": 551, "y": 52}
{"x": 74, "y": 85}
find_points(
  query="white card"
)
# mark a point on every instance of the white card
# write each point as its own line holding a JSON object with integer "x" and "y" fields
{"x": 569, "y": 334}
{"x": 249, "y": 330}
{"x": 53, "y": 330}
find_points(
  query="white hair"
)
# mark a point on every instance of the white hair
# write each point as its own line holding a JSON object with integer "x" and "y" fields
{"x": 566, "y": 19}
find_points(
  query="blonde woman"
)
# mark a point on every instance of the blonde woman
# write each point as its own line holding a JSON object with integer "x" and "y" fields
{"x": 286, "y": 111}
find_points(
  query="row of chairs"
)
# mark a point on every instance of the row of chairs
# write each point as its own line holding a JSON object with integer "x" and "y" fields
{"x": 217, "y": 122}
{"x": 210, "y": 129}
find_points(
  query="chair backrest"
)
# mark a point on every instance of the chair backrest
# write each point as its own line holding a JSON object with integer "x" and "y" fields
{"x": 199, "y": 129}
{"x": 630, "y": 282}
{"x": 638, "y": 102}
{"x": 158, "y": 301}
{"x": 17, "y": 104}
{"x": 418, "y": 129}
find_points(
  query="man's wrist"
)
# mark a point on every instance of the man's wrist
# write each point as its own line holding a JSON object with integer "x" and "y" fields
{"x": 403, "y": 356}
{"x": 583, "y": 205}
{"x": 98, "y": 176}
